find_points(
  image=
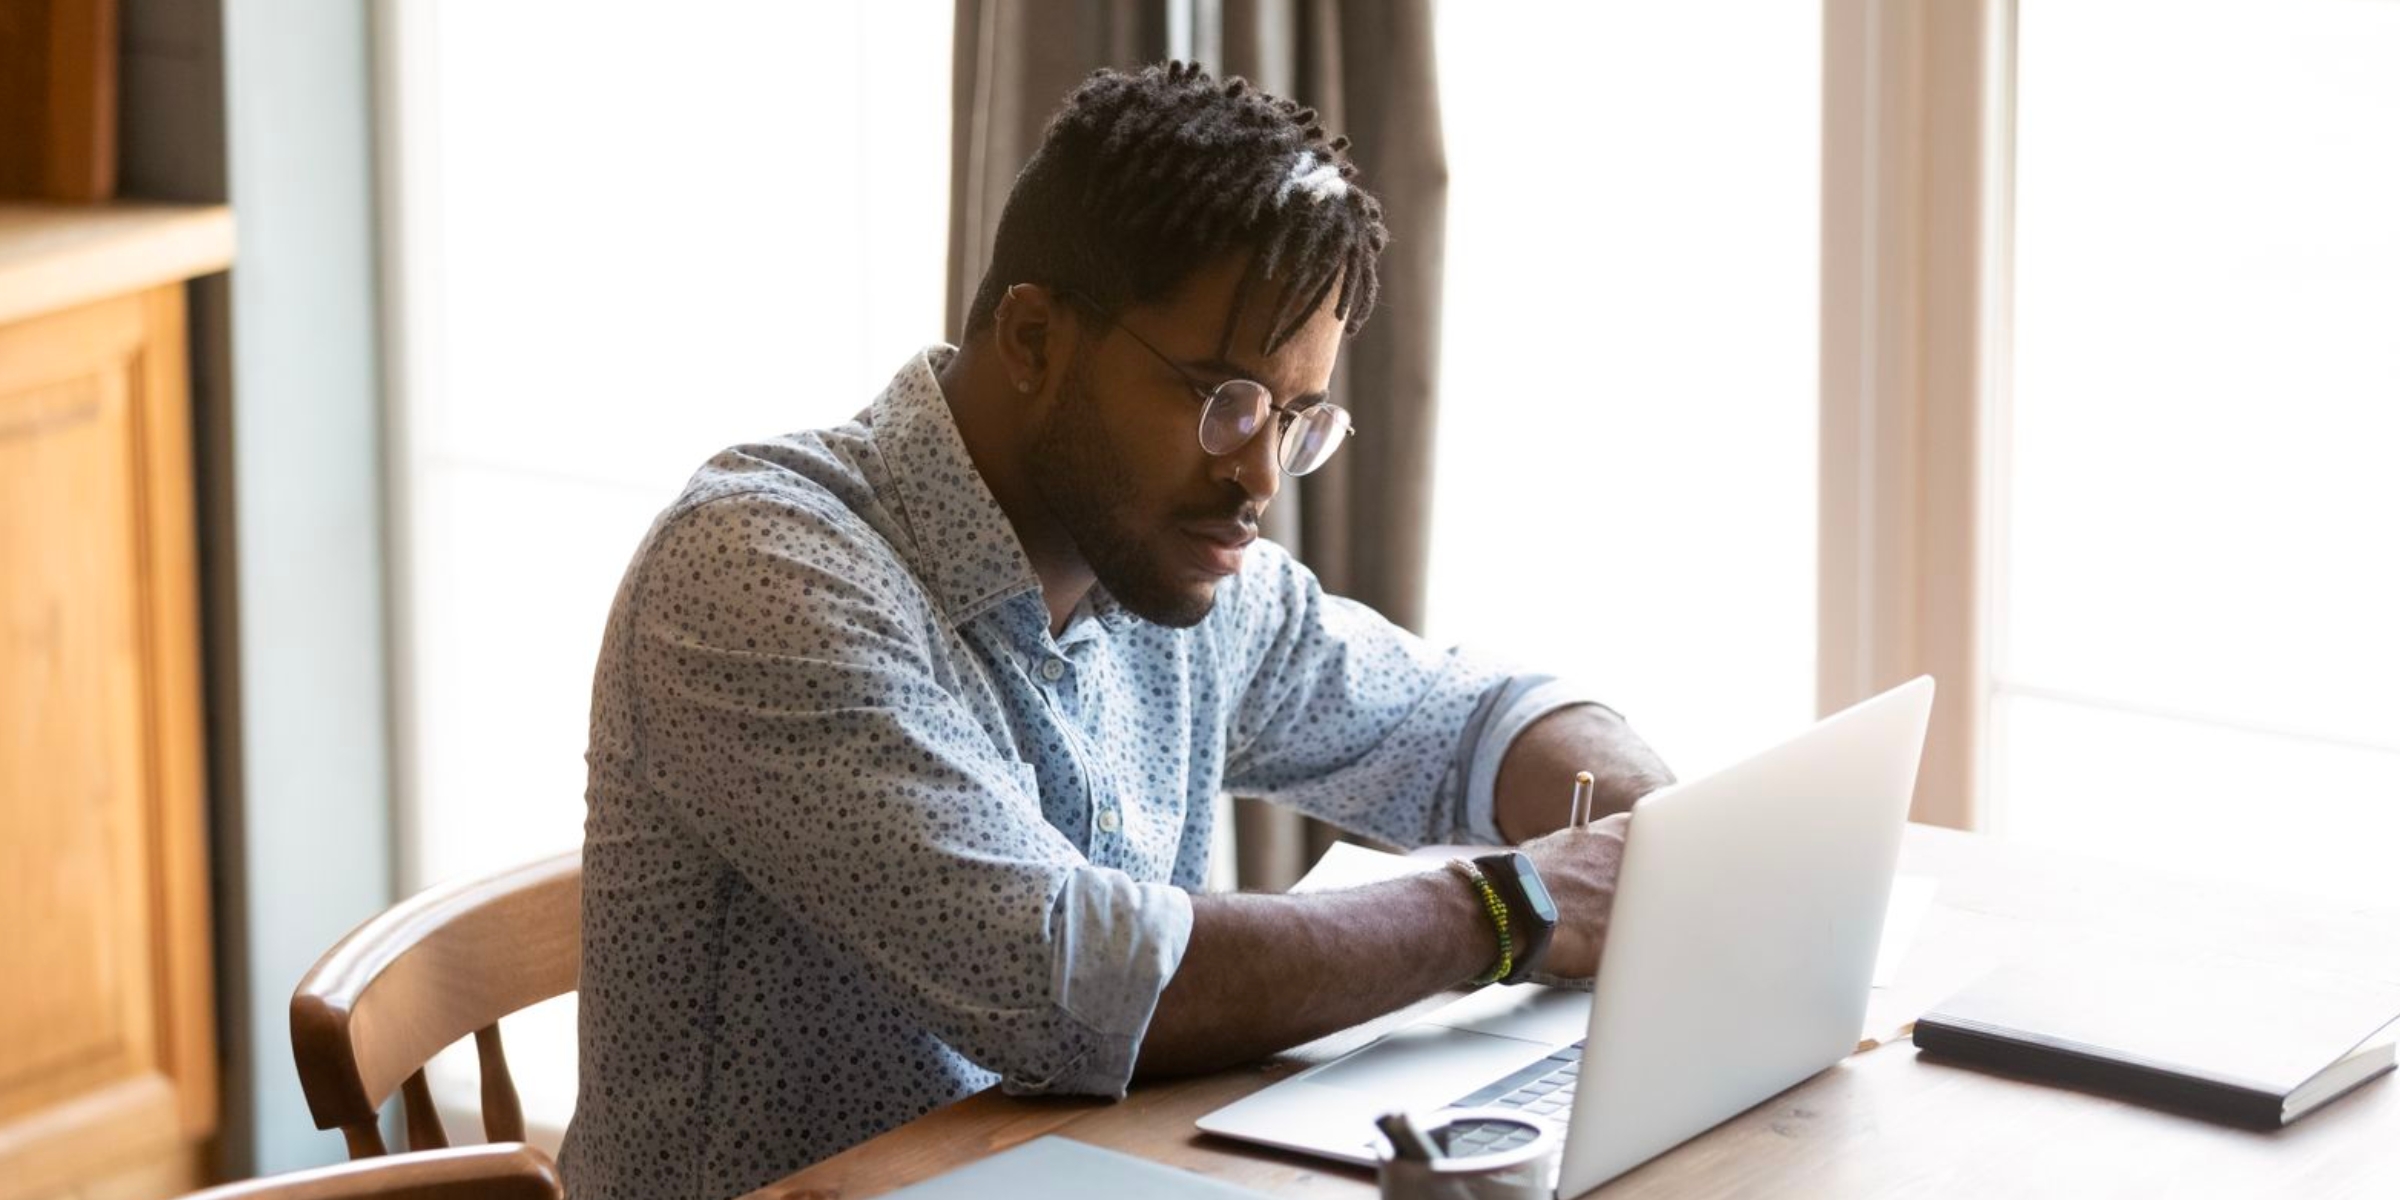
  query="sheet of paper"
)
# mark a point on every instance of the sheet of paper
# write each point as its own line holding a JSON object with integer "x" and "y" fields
{"x": 1912, "y": 895}
{"x": 1345, "y": 865}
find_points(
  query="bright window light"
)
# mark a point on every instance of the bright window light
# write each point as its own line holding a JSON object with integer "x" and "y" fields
{"x": 1628, "y": 455}
{"x": 2199, "y": 604}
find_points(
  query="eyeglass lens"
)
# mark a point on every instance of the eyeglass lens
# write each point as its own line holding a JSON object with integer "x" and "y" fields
{"x": 1239, "y": 408}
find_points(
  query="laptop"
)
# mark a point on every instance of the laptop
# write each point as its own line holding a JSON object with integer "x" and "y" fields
{"x": 1740, "y": 951}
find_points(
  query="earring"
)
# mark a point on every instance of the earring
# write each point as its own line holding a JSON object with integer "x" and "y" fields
{"x": 1025, "y": 385}
{"x": 1237, "y": 472}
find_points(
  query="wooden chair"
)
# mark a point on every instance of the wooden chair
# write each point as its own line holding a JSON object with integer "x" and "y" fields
{"x": 506, "y": 1171}
{"x": 448, "y": 962}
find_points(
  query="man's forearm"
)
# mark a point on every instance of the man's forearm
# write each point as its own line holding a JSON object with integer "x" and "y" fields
{"x": 1264, "y": 973}
{"x": 1537, "y": 775}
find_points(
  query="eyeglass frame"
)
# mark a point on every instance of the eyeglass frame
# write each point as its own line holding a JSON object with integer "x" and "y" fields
{"x": 1284, "y": 413}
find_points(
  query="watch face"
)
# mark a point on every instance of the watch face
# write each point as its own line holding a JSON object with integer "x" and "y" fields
{"x": 1529, "y": 881}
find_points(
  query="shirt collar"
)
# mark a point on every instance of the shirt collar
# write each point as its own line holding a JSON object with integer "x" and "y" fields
{"x": 965, "y": 548}
{"x": 1104, "y": 612}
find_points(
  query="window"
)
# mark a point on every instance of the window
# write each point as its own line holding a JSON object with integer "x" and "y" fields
{"x": 1626, "y": 485}
{"x": 622, "y": 242}
{"x": 2196, "y": 658}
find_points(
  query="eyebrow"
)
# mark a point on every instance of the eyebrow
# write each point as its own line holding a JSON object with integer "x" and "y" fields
{"x": 1224, "y": 370}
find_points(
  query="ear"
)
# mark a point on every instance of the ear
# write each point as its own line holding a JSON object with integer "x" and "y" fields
{"x": 1033, "y": 331}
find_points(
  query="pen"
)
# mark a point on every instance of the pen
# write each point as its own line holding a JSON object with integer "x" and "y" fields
{"x": 1579, "y": 809}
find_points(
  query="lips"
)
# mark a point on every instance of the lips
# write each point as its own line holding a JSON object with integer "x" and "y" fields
{"x": 1219, "y": 544}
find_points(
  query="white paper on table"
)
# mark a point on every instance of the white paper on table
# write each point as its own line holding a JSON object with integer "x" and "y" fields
{"x": 1912, "y": 896}
{"x": 1345, "y": 865}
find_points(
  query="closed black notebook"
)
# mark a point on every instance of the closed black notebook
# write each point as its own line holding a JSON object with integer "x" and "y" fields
{"x": 2235, "y": 1041}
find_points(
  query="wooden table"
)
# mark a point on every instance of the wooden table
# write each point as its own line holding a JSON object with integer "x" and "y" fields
{"x": 1884, "y": 1121}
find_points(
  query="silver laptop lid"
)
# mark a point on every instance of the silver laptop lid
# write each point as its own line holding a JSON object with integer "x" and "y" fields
{"x": 1742, "y": 940}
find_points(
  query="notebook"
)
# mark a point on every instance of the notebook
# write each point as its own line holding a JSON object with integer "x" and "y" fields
{"x": 1058, "y": 1168}
{"x": 2234, "y": 1040}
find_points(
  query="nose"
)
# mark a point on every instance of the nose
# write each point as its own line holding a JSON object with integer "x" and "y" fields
{"x": 1253, "y": 467}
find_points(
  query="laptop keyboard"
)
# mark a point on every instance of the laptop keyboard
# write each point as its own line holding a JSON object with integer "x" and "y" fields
{"x": 1544, "y": 1089}
{"x": 1466, "y": 1139}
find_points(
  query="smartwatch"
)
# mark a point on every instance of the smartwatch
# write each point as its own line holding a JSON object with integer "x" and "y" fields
{"x": 1512, "y": 875}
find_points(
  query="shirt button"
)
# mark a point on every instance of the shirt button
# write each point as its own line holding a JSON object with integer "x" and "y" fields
{"x": 1109, "y": 820}
{"x": 1052, "y": 669}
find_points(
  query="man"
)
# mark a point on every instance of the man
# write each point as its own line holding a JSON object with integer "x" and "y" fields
{"x": 906, "y": 733}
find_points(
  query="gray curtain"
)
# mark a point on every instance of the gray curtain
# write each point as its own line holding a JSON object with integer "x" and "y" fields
{"x": 1368, "y": 66}
{"x": 1012, "y": 63}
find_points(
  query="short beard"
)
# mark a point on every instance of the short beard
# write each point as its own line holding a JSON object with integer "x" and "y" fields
{"x": 1083, "y": 479}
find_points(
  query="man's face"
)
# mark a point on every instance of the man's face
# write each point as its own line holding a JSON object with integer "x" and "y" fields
{"x": 1117, "y": 458}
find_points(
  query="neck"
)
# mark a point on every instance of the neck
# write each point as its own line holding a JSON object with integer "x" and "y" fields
{"x": 994, "y": 420}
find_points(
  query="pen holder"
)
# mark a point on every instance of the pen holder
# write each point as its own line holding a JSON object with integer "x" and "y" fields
{"x": 1488, "y": 1154}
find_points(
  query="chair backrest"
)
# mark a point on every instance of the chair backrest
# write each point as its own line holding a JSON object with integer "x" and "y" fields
{"x": 497, "y": 1172}
{"x": 445, "y": 963}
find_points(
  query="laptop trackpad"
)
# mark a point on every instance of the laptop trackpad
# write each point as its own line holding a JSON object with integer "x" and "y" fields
{"x": 1427, "y": 1061}
{"x": 1553, "y": 1016}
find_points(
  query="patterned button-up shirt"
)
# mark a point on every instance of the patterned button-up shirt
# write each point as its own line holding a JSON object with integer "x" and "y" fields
{"x": 864, "y": 837}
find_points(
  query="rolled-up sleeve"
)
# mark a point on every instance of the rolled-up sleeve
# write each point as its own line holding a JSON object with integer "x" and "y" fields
{"x": 793, "y": 715}
{"x": 1505, "y": 712}
{"x": 1349, "y": 718}
{"x": 1116, "y": 944}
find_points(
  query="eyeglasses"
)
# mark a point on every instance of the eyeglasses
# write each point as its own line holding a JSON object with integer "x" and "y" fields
{"x": 1233, "y": 412}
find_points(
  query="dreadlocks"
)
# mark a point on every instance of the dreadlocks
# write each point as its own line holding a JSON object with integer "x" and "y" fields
{"x": 1142, "y": 180}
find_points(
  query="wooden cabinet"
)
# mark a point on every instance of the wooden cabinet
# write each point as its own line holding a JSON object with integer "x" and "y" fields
{"x": 108, "y": 1078}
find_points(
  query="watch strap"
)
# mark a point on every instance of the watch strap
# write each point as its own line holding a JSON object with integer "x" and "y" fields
{"x": 1501, "y": 873}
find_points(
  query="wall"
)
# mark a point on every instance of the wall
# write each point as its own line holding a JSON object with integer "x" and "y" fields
{"x": 265, "y": 103}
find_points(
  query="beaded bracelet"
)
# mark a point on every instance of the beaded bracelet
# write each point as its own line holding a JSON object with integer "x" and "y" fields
{"x": 1498, "y": 908}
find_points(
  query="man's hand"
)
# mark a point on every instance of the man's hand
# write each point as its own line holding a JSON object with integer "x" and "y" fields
{"x": 1579, "y": 867}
